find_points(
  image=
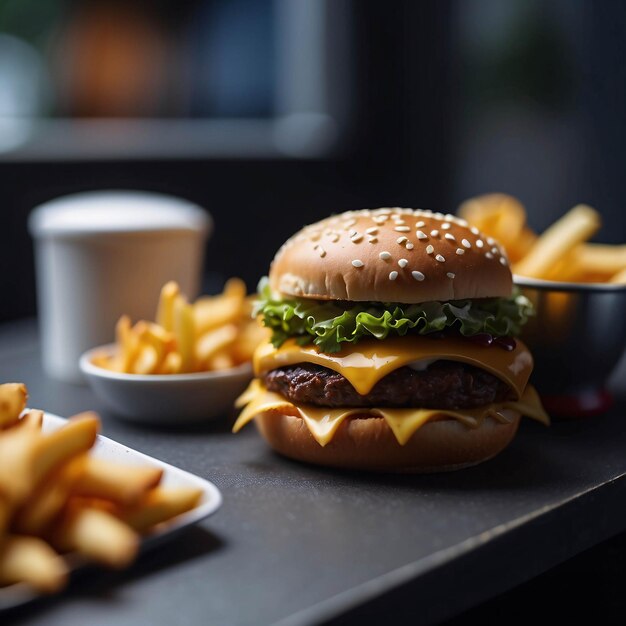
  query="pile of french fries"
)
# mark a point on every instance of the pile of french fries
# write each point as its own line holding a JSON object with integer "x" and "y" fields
{"x": 56, "y": 498}
{"x": 560, "y": 253}
{"x": 212, "y": 333}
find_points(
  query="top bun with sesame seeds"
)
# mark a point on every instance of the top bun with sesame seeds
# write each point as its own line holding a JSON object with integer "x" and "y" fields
{"x": 391, "y": 255}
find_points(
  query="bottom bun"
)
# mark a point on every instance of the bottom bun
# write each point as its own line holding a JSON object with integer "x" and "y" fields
{"x": 367, "y": 443}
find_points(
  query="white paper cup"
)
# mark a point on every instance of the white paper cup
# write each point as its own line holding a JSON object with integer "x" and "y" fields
{"x": 101, "y": 254}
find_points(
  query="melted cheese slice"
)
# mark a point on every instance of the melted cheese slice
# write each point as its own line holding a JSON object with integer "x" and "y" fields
{"x": 365, "y": 363}
{"x": 323, "y": 422}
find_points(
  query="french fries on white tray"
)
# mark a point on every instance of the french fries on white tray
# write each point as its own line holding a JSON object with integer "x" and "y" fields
{"x": 56, "y": 498}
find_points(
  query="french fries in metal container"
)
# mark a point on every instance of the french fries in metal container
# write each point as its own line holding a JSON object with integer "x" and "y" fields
{"x": 578, "y": 290}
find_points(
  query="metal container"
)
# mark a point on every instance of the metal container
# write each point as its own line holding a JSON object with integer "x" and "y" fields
{"x": 577, "y": 337}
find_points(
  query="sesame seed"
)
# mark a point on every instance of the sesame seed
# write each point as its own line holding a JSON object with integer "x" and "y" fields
{"x": 434, "y": 233}
{"x": 491, "y": 241}
{"x": 489, "y": 255}
{"x": 450, "y": 237}
{"x": 335, "y": 237}
{"x": 438, "y": 215}
{"x": 409, "y": 246}
{"x": 446, "y": 226}
{"x": 356, "y": 238}
{"x": 403, "y": 263}
{"x": 421, "y": 235}
{"x": 372, "y": 231}
{"x": 372, "y": 239}
{"x": 461, "y": 222}
{"x": 502, "y": 260}
{"x": 440, "y": 258}
{"x": 401, "y": 240}
{"x": 402, "y": 229}
{"x": 418, "y": 275}
{"x": 384, "y": 256}
{"x": 450, "y": 274}
{"x": 449, "y": 218}
{"x": 474, "y": 230}
{"x": 393, "y": 275}
{"x": 353, "y": 232}
{"x": 398, "y": 220}
{"x": 466, "y": 243}
{"x": 429, "y": 249}
{"x": 357, "y": 263}
{"x": 349, "y": 223}
{"x": 460, "y": 251}
{"x": 320, "y": 250}
{"x": 495, "y": 250}
{"x": 479, "y": 243}
{"x": 379, "y": 219}
{"x": 420, "y": 224}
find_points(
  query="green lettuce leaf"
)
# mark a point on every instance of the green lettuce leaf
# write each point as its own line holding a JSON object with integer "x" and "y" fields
{"x": 328, "y": 324}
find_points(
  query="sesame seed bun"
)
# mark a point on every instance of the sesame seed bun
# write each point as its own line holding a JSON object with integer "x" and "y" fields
{"x": 369, "y": 444}
{"x": 391, "y": 255}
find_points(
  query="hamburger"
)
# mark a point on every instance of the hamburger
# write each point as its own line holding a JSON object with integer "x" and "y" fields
{"x": 392, "y": 345}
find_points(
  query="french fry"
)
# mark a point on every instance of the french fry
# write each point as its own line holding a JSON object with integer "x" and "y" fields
{"x": 32, "y": 420}
{"x": 17, "y": 452}
{"x": 48, "y": 500}
{"x": 490, "y": 207}
{"x": 76, "y": 437}
{"x": 215, "y": 341}
{"x": 155, "y": 335}
{"x": 500, "y": 216}
{"x": 159, "y": 505}
{"x": 127, "y": 345}
{"x": 552, "y": 246}
{"x": 172, "y": 364}
{"x": 165, "y": 309}
{"x": 33, "y": 561}
{"x": 220, "y": 361}
{"x": 600, "y": 259}
{"x": 589, "y": 262}
{"x": 124, "y": 484}
{"x": 185, "y": 333}
{"x": 147, "y": 360}
{"x": 214, "y": 311}
{"x": 619, "y": 278}
{"x": 250, "y": 335}
{"x": 97, "y": 534}
{"x": 13, "y": 398}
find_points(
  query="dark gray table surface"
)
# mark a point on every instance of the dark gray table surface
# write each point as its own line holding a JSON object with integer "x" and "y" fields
{"x": 293, "y": 544}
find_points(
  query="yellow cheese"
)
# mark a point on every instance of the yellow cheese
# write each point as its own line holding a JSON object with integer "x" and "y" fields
{"x": 323, "y": 422}
{"x": 365, "y": 363}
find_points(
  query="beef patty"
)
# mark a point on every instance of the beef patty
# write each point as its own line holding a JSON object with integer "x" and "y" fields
{"x": 442, "y": 385}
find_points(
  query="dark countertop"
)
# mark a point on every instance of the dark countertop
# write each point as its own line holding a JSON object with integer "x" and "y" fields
{"x": 294, "y": 544}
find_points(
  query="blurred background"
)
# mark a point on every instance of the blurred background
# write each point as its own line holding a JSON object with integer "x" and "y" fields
{"x": 274, "y": 113}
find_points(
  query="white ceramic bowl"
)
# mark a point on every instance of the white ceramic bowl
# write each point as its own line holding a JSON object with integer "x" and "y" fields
{"x": 165, "y": 399}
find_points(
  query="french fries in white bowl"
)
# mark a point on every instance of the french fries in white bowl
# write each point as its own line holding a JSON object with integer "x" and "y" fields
{"x": 164, "y": 398}
{"x": 187, "y": 366}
